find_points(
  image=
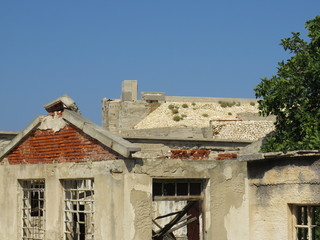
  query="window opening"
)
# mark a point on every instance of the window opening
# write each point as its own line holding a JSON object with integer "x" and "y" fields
{"x": 33, "y": 209}
{"x": 177, "y": 209}
{"x": 78, "y": 209}
{"x": 307, "y": 222}
{"x": 169, "y": 189}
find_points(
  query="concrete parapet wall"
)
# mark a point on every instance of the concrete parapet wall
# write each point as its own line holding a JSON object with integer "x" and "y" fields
{"x": 208, "y": 99}
{"x": 118, "y": 115}
{"x": 182, "y": 132}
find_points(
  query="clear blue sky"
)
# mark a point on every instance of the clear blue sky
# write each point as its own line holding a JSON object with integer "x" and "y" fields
{"x": 184, "y": 48}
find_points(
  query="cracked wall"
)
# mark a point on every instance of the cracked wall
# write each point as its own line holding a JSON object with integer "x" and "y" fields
{"x": 123, "y": 195}
{"x": 274, "y": 187}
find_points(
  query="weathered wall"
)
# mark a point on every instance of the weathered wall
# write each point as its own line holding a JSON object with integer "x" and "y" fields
{"x": 274, "y": 185}
{"x": 123, "y": 196}
{"x": 225, "y": 203}
{"x": 124, "y": 115}
{"x": 69, "y": 144}
{"x": 111, "y": 189}
{"x": 6, "y": 137}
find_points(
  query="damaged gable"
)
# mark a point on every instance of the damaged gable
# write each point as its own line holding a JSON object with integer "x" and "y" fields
{"x": 65, "y": 136}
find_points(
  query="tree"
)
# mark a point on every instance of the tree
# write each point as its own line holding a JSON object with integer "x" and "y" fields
{"x": 293, "y": 94}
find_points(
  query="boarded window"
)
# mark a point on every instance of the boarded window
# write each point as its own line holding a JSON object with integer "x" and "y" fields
{"x": 78, "y": 209}
{"x": 33, "y": 209}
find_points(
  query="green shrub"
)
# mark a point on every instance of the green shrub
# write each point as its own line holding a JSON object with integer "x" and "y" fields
{"x": 229, "y": 113}
{"x": 183, "y": 116}
{"x": 185, "y": 105}
{"x": 176, "y": 118}
{"x": 205, "y": 115}
{"x": 227, "y": 104}
{"x": 193, "y": 104}
{"x": 252, "y": 103}
{"x": 174, "y": 110}
{"x": 171, "y": 106}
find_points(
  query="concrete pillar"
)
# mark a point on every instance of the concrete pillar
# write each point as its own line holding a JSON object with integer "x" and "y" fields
{"x": 129, "y": 90}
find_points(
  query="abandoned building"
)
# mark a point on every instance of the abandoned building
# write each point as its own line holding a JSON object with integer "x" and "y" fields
{"x": 159, "y": 168}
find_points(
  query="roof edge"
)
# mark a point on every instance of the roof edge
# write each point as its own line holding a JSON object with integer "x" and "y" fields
{"x": 253, "y": 157}
{"x": 21, "y": 135}
{"x": 115, "y": 142}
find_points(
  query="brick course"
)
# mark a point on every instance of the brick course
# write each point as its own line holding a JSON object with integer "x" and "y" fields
{"x": 190, "y": 154}
{"x": 67, "y": 145}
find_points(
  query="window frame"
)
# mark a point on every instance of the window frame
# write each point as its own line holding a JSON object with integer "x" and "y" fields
{"x": 33, "y": 208}
{"x": 200, "y": 198}
{"x": 308, "y": 221}
{"x": 189, "y": 197}
{"x": 78, "y": 213}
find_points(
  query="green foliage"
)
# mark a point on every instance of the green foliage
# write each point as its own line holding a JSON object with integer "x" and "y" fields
{"x": 227, "y": 104}
{"x": 171, "y": 106}
{"x": 176, "y": 118}
{"x": 229, "y": 113}
{"x": 175, "y": 111}
{"x": 252, "y": 103}
{"x": 293, "y": 94}
{"x": 205, "y": 115}
{"x": 185, "y": 105}
{"x": 183, "y": 116}
{"x": 193, "y": 104}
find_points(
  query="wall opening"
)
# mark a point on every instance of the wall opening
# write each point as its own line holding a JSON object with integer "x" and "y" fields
{"x": 177, "y": 209}
{"x": 33, "y": 209}
{"x": 78, "y": 209}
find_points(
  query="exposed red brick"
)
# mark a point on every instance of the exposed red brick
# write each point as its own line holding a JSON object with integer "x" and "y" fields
{"x": 58, "y": 113}
{"x": 222, "y": 156}
{"x": 67, "y": 145}
{"x": 190, "y": 154}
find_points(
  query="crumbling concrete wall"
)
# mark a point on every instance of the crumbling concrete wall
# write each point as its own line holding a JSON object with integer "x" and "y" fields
{"x": 124, "y": 115}
{"x": 6, "y": 137}
{"x": 225, "y": 203}
{"x": 276, "y": 185}
{"x": 123, "y": 196}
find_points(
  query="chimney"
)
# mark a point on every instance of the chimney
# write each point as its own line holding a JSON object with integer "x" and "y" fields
{"x": 129, "y": 90}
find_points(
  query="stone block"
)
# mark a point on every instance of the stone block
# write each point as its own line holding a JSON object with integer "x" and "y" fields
{"x": 153, "y": 96}
{"x": 129, "y": 90}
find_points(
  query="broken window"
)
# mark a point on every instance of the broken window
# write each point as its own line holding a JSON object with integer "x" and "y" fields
{"x": 78, "y": 209}
{"x": 170, "y": 189}
{"x": 177, "y": 209}
{"x": 33, "y": 209}
{"x": 307, "y": 222}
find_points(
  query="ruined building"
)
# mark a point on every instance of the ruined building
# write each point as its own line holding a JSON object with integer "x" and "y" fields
{"x": 159, "y": 168}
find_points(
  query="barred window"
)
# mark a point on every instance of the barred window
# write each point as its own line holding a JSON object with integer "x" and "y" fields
{"x": 307, "y": 222}
{"x": 78, "y": 209}
{"x": 33, "y": 209}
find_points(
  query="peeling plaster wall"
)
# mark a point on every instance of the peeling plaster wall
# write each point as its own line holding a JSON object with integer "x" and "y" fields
{"x": 123, "y": 196}
{"x": 225, "y": 204}
{"x": 274, "y": 186}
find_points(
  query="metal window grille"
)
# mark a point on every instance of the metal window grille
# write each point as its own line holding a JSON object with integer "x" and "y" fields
{"x": 307, "y": 222}
{"x": 33, "y": 209}
{"x": 78, "y": 209}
